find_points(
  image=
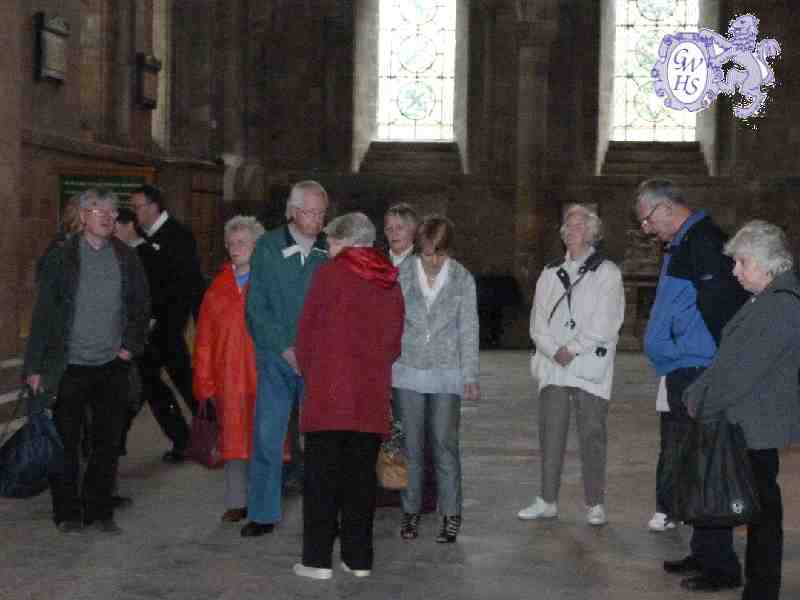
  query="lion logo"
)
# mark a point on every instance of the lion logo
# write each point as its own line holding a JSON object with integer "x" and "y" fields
{"x": 689, "y": 74}
{"x": 750, "y": 71}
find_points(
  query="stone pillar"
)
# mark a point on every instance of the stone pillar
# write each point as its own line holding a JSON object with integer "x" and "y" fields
{"x": 11, "y": 14}
{"x": 535, "y": 40}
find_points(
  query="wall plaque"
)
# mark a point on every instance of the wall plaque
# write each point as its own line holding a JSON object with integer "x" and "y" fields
{"x": 51, "y": 47}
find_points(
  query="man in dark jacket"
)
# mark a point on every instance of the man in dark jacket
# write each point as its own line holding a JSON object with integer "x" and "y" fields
{"x": 176, "y": 285}
{"x": 90, "y": 319}
{"x": 696, "y": 295}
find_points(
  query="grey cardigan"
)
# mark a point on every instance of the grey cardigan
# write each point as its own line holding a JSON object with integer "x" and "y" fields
{"x": 754, "y": 377}
{"x": 446, "y": 337}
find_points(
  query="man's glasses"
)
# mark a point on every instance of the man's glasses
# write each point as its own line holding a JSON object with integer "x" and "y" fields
{"x": 103, "y": 212}
{"x": 312, "y": 214}
{"x": 646, "y": 221}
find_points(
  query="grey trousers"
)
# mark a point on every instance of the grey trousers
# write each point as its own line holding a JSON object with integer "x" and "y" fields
{"x": 591, "y": 412}
{"x": 438, "y": 415}
{"x": 236, "y": 475}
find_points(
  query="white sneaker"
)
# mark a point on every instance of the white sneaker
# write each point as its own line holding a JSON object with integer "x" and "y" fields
{"x": 356, "y": 572}
{"x": 660, "y": 522}
{"x": 596, "y": 515}
{"x": 539, "y": 510}
{"x": 312, "y": 572}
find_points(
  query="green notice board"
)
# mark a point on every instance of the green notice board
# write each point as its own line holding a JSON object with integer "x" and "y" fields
{"x": 121, "y": 182}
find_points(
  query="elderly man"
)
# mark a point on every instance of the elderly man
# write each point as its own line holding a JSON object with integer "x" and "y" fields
{"x": 90, "y": 318}
{"x": 176, "y": 284}
{"x": 281, "y": 269}
{"x": 696, "y": 295}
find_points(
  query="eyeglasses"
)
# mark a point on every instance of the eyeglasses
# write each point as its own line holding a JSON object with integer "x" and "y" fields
{"x": 138, "y": 207}
{"x": 104, "y": 212}
{"x": 309, "y": 214}
{"x": 646, "y": 221}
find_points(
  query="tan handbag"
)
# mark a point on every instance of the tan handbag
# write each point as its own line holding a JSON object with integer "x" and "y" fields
{"x": 392, "y": 469}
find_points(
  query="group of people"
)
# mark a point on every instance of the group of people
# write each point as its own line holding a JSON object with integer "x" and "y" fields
{"x": 314, "y": 317}
{"x": 311, "y": 328}
{"x": 722, "y": 335}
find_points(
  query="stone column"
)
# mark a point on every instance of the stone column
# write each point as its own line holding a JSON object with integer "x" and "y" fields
{"x": 11, "y": 14}
{"x": 535, "y": 40}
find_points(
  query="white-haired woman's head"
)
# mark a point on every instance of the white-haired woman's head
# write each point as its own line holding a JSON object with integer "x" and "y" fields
{"x": 351, "y": 229}
{"x": 241, "y": 235}
{"x": 760, "y": 251}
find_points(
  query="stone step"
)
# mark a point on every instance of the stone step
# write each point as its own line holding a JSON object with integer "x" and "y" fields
{"x": 8, "y": 402}
{"x": 655, "y": 168}
{"x": 10, "y": 374}
{"x": 420, "y": 157}
{"x": 654, "y": 158}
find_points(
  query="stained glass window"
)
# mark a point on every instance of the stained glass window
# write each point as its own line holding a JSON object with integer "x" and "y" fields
{"x": 416, "y": 69}
{"x": 639, "y": 115}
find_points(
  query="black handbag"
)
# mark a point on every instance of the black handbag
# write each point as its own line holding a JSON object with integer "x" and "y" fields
{"x": 714, "y": 484}
{"x": 35, "y": 451}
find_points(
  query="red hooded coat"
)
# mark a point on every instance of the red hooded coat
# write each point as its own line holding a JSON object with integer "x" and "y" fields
{"x": 225, "y": 364}
{"x": 348, "y": 337}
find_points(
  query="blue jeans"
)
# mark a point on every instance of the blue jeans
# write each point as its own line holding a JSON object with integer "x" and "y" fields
{"x": 279, "y": 390}
{"x": 438, "y": 415}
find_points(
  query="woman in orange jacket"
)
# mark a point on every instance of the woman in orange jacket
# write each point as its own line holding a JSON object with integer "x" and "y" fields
{"x": 225, "y": 364}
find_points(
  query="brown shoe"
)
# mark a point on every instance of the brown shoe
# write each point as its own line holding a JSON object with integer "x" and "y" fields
{"x": 234, "y": 515}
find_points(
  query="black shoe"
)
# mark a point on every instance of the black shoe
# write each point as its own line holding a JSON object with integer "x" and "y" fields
{"x": 173, "y": 456}
{"x": 107, "y": 526}
{"x": 689, "y": 564}
{"x": 121, "y": 502}
{"x": 70, "y": 527}
{"x": 449, "y": 530}
{"x": 710, "y": 583}
{"x": 255, "y": 529}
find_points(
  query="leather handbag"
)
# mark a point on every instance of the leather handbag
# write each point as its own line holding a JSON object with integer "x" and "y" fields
{"x": 204, "y": 439}
{"x": 33, "y": 452}
{"x": 392, "y": 469}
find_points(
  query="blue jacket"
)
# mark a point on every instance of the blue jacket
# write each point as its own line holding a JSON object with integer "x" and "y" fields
{"x": 696, "y": 296}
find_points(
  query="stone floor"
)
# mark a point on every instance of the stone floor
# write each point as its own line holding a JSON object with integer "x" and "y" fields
{"x": 175, "y": 548}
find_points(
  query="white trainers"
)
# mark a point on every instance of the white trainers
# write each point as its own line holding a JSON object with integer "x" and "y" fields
{"x": 660, "y": 522}
{"x": 539, "y": 510}
{"x": 596, "y": 515}
{"x": 312, "y": 572}
{"x": 356, "y": 572}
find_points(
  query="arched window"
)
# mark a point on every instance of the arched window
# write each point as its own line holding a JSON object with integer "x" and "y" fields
{"x": 416, "y": 72}
{"x": 639, "y": 115}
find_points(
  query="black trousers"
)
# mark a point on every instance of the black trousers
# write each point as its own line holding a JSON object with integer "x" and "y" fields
{"x": 712, "y": 546}
{"x": 167, "y": 348}
{"x": 764, "y": 556}
{"x": 103, "y": 390}
{"x": 339, "y": 487}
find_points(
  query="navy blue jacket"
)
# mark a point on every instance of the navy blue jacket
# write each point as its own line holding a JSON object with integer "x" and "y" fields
{"x": 696, "y": 296}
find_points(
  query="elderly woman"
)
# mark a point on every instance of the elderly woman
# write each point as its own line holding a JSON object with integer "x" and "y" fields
{"x": 348, "y": 336}
{"x": 224, "y": 361}
{"x": 438, "y": 366}
{"x": 577, "y": 313}
{"x": 753, "y": 382}
{"x": 400, "y": 227}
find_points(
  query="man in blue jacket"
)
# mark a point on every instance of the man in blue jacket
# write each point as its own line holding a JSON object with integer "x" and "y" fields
{"x": 283, "y": 263}
{"x": 696, "y": 295}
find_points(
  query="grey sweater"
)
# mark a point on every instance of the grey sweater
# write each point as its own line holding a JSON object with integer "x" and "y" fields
{"x": 446, "y": 336}
{"x": 754, "y": 377}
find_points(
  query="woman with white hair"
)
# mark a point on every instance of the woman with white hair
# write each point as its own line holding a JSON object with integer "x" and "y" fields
{"x": 753, "y": 381}
{"x": 225, "y": 363}
{"x": 577, "y": 312}
{"x": 348, "y": 336}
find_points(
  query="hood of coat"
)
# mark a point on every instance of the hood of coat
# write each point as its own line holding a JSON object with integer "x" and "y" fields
{"x": 368, "y": 264}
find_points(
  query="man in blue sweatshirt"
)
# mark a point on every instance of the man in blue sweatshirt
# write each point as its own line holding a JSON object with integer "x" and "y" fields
{"x": 696, "y": 295}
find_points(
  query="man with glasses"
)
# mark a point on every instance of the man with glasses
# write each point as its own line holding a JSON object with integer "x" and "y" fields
{"x": 176, "y": 286}
{"x": 89, "y": 320}
{"x": 281, "y": 269}
{"x": 696, "y": 296}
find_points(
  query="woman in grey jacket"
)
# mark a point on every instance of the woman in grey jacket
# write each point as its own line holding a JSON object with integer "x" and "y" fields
{"x": 438, "y": 366}
{"x": 753, "y": 382}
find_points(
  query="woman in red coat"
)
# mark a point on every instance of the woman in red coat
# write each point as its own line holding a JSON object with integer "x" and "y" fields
{"x": 348, "y": 337}
{"x": 225, "y": 364}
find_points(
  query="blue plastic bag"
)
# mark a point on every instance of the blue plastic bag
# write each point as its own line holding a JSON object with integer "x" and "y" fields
{"x": 32, "y": 453}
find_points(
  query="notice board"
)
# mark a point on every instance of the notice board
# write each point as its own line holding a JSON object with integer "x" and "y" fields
{"x": 122, "y": 182}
